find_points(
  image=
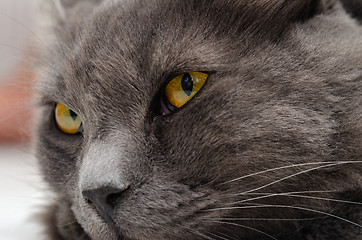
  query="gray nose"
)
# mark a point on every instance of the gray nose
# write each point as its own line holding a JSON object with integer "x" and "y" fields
{"x": 105, "y": 199}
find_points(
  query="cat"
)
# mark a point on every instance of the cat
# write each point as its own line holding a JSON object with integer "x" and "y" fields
{"x": 202, "y": 119}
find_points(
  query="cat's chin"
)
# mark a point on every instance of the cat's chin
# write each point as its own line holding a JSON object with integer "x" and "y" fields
{"x": 62, "y": 223}
{"x": 93, "y": 226}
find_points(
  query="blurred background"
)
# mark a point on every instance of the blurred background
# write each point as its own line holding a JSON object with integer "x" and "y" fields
{"x": 22, "y": 194}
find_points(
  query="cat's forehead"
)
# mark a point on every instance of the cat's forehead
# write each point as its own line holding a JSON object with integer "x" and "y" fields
{"x": 129, "y": 53}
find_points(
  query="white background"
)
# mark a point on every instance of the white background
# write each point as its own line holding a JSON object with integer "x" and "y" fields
{"x": 17, "y": 29}
{"x": 21, "y": 191}
{"x": 22, "y": 195}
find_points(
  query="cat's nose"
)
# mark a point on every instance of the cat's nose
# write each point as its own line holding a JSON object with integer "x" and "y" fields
{"x": 105, "y": 199}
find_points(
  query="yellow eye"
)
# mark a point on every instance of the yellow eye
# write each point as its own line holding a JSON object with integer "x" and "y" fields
{"x": 67, "y": 120}
{"x": 184, "y": 87}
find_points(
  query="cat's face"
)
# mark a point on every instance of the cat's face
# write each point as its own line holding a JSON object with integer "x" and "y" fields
{"x": 220, "y": 166}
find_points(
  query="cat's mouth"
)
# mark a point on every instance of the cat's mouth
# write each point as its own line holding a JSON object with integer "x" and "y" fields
{"x": 81, "y": 232}
{"x": 78, "y": 229}
{"x": 120, "y": 237}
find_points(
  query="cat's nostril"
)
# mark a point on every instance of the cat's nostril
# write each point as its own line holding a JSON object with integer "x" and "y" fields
{"x": 112, "y": 198}
{"x": 105, "y": 198}
{"x": 88, "y": 200}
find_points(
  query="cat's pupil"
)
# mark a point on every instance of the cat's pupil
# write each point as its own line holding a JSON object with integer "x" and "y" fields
{"x": 73, "y": 115}
{"x": 187, "y": 84}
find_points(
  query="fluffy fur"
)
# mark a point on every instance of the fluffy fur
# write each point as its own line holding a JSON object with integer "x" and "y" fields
{"x": 270, "y": 148}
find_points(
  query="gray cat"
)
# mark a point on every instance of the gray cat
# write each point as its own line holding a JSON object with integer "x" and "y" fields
{"x": 238, "y": 119}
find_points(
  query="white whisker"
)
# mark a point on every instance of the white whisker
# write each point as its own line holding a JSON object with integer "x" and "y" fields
{"x": 293, "y": 175}
{"x": 325, "y": 199}
{"x": 274, "y": 169}
{"x": 227, "y": 236}
{"x": 286, "y": 206}
{"x": 61, "y": 44}
{"x": 266, "y": 195}
{"x": 243, "y": 226}
{"x": 83, "y": 235}
{"x": 260, "y": 219}
{"x": 286, "y": 167}
{"x": 15, "y": 113}
{"x": 215, "y": 235}
{"x": 66, "y": 224}
{"x": 296, "y": 192}
{"x": 196, "y": 232}
{"x": 30, "y": 54}
{"x": 28, "y": 29}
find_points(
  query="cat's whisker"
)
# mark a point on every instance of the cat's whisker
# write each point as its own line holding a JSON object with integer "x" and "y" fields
{"x": 220, "y": 237}
{"x": 25, "y": 87}
{"x": 262, "y": 219}
{"x": 38, "y": 39}
{"x": 295, "y": 192}
{"x": 243, "y": 226}
{"x": 210, "y": 182}
{"x": 197, "y": 233}
{"x": 83, "y": 235}
{"x": 284, "y": 167}
{"x": 229, "y": 237}
{"x": 28, "y": 29}
{"x": 284, "y": 206}
{"x": 62, "y": 45}
{"x": 324, "y": 199}
{"x": 67, "y": 224}
{"x": 269, "y": 195}
{"x": 294, "y": 175}
{"x": 15, "y": 113}
{"x": 30, "y": 54}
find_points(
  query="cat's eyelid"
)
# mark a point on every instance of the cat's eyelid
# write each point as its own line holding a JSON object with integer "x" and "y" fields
{"x": 46, "y": 101}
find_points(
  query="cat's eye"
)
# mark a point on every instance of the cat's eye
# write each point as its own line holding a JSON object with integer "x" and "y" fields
{"x": 181, "y": 89}
{"x": 67, "y": 121}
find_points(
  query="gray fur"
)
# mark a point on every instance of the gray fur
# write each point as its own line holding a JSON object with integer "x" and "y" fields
{"x": 284, "y": 90}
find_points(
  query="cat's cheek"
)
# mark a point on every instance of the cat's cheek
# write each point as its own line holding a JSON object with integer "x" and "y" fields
{"x": 149, "y": 212}
{"x": 90, "y": 221}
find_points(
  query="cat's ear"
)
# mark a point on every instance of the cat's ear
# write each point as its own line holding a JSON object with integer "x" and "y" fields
{"x": 354, "y": 8}
{"x": 66, "y": 8}
{"x": 286, "y": 11}
{"x": 67, "y": 14}
{"x": 272, "y": 17}
{"x": 300, "y": 10}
